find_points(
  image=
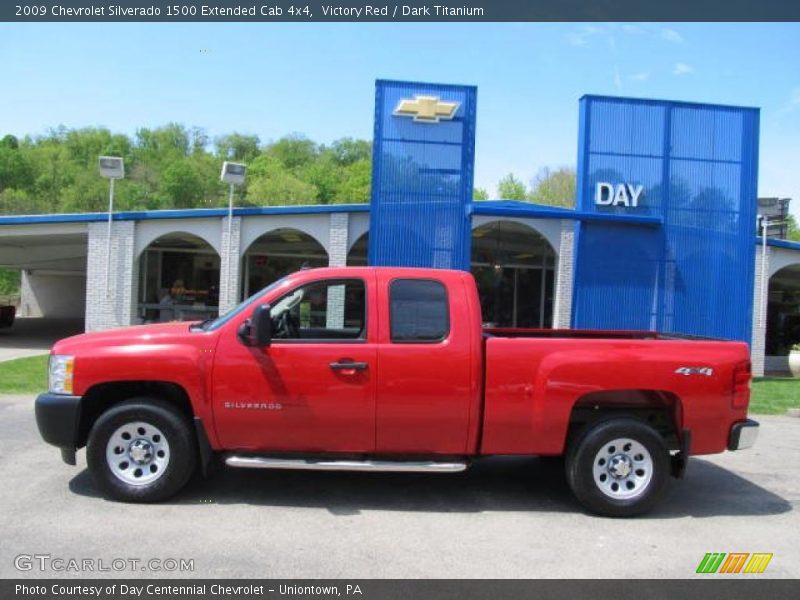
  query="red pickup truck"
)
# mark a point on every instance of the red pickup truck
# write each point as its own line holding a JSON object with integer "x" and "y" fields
{"x": 389, "y": 369}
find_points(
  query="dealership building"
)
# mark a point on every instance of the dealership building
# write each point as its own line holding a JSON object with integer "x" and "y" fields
{"x": 664, "y": 236}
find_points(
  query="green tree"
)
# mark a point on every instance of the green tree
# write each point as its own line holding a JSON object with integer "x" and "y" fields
{"x": 293, "y": 151}
{"x": 84, "y": 146}
{"x": 326, "y": 175}
{"x": 22, "y": 202}
{"x": 348, "y": 151}
{"x": 554, "y": 188}
{"x": 9, "y": 141}
{"x": 238, "y": 147}
{"x": 480, "y": 194}
{"x": 182, "y": 184}
{"x": 135, "y": 195}
{"x": 511, "y": 188}
{"x": 356, "y": 184}
{"x": 163, "y": 145}
{"x": 54, "y": 170}
{"x": 793, "y": 232}
{"x": 198, "y": 141}
{"x": 175, "y": 166}
{"x": 16, "y": 170}
{"x": 85, "y": 192}
{"x": 270, "y": 183}
{"x": 9, "y": 282}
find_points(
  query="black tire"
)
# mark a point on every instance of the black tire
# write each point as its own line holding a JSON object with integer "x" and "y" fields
{"x": 596, "y": 443}
{"x": 172, "y": 427}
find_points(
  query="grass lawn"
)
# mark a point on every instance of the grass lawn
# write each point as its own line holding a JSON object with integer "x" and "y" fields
{"x": 773, "y": 395}
{"x": 24, "y": 375}
{"x": 770, "y": 395}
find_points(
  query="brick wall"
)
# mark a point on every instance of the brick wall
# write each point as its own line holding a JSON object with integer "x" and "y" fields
{"x": 758, "y": 342}
{"x": 230, "y": 265}
{"x": 562, "y": 304}
{"x": 337, "y": 257}
{"x": 337, "y": 250}
{"x": 110, "y": 284}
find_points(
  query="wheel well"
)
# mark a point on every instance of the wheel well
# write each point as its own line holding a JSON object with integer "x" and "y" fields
{"x": 661, "y": 410}
{"x": 101, "y": 397}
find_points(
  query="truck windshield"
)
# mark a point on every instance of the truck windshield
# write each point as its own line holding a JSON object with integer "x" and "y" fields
{"x": 213, "y": 324}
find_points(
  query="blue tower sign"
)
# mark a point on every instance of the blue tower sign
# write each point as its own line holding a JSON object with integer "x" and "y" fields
{"x": 695, "y": 167}
{"x": 422, "y": 175}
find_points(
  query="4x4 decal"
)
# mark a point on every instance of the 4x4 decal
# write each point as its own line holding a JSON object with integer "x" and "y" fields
{"x": 707, "y": 371}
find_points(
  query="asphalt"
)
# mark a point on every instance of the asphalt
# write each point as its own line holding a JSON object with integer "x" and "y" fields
{"x": 33, "y": 336}
{"x": 504, "y": 518}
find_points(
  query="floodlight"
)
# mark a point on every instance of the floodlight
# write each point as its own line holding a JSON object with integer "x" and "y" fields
{"x": 233, "y": 173}
{"x": 112, "y": 167}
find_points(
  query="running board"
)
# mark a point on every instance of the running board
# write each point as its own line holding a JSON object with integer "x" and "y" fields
{"x": 260, "y": 462}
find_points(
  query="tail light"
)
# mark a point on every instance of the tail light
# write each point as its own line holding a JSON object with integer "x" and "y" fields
{"x": 741, "y": 385}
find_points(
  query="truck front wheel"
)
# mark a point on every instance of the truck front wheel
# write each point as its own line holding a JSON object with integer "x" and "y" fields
{"x": 618, "y": 467}
{"x": 141, "y": 450}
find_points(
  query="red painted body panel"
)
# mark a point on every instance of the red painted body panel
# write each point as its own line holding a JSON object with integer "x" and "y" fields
{"x": 532, "y": 385}
{"x": 511, "y": 393}
{"x": 428, "y": 392}
{"x": 311, "y": 408}
{"x": 166, "y": 352}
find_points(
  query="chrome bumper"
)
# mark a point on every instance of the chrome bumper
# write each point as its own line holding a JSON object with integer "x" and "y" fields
{"x": 743, "y": 435}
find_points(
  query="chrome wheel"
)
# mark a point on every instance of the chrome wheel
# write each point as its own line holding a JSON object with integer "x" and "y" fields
{"x": 137, "y": 453}
{"x": 623, "y": 468}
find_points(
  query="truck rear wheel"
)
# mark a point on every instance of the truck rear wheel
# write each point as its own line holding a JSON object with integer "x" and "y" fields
{"x": 618, "y": 467}
{"x": 141, "y": 450}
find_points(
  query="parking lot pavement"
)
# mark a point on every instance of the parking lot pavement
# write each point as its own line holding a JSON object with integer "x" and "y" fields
{"x": 504, "y": 518}
{"x": 32, "y": 336}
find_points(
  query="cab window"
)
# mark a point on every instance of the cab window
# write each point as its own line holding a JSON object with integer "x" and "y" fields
{"x": 418, "y": 311}
{"x": 333, "y": 310}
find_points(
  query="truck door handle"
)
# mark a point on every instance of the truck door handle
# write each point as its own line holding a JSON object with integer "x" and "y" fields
{"x": 349, "y": 367}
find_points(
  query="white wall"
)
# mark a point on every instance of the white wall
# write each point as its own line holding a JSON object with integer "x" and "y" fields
{"x": 53, "y": 294}
{"x": 207, "y": 229}
{"x": 253, "y": 227}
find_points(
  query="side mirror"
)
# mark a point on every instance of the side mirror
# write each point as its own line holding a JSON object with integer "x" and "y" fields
{"x": 257, "y": 330}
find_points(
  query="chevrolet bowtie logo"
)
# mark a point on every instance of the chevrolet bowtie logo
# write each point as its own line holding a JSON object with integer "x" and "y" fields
{"x": 426, "y": 109}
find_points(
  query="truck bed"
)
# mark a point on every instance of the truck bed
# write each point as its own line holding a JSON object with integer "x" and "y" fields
{"x": 534, "y": 378}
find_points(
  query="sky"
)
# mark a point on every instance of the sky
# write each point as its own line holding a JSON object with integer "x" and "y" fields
{"x": 318, "y": 80}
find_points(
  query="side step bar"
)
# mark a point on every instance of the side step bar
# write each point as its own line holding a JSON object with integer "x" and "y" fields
{"x": 260, "y": 462}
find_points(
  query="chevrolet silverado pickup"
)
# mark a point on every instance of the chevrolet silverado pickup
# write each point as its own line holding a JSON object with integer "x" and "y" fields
{"x": 390, "y": 369}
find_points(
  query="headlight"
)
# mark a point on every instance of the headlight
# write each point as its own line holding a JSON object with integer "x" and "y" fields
{"x": 60, "y": 373}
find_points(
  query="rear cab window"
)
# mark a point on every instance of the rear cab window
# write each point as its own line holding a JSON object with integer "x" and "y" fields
{"x": 419, "y": 311}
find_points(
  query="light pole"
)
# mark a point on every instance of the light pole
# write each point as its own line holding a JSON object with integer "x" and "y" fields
{"x": 112, "y": 168}
{"x": 232, "y": 174}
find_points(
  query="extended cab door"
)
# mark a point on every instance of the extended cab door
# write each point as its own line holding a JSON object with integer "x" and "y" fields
{"x": 427, "y": 387}
{"x": 313, "y": 388}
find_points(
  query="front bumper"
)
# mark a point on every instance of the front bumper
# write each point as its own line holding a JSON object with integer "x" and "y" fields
{"x": 743, "y": 435}
{"x": 58, "y": 418}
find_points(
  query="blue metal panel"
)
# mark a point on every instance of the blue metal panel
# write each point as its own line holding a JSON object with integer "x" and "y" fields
{"x": 697, "y": 164}
{"x": 422, "y": 177}
{"x": 621, "y": 293}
